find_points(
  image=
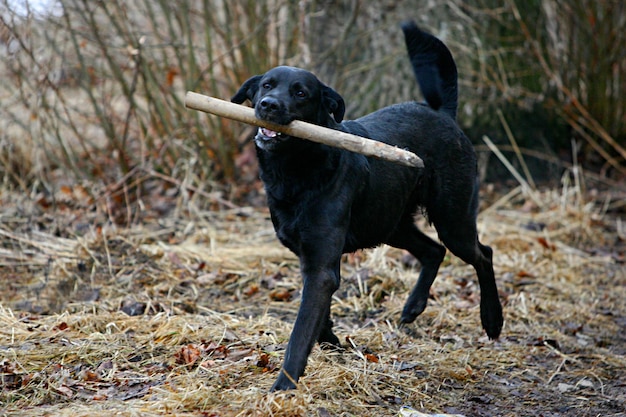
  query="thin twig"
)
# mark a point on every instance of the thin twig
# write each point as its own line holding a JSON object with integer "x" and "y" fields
{"x": 525, "y": 186}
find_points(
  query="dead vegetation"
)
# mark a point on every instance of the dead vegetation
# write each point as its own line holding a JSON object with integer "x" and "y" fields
{"x": 190, "y": 314}
{"x": 132, "y": 284}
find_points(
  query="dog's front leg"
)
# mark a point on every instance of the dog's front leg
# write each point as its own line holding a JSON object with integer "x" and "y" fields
{"x": 313, "y": 316}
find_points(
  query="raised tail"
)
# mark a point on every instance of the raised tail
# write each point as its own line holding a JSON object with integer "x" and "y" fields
{"x": 434, "y": 68}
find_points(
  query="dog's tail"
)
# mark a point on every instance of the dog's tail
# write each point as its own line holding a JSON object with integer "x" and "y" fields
{"x": 434, "y": 68}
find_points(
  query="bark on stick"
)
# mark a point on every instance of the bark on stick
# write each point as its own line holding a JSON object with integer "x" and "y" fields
{"x": 304, "y": 130}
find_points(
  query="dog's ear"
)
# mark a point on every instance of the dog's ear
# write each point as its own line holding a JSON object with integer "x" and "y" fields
{"x": 333, "y": 102}
{"x": 247, "y": 90}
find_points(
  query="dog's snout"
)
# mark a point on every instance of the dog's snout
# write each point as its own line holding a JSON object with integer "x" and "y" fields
{"x": 269, "y": 104}
{"x": 273, "y": 109}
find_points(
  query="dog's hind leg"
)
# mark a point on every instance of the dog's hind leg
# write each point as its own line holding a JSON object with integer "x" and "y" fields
{"x": 459, "y": 235}
{"x": 429, "y": 253}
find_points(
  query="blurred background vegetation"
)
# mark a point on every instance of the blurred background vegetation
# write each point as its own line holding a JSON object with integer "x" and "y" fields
{"x": 91, "y": 92}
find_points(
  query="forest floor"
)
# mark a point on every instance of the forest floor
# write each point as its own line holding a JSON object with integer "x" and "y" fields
{"x": 189, "y": 314}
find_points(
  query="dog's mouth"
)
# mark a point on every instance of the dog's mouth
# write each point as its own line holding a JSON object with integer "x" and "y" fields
{"x": 268, "y": 139}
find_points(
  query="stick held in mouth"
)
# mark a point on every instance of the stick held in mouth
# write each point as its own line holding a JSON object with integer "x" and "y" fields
{"x": 304, "y": 130}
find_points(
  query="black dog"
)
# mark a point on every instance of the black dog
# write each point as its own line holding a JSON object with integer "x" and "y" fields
{"x": 325, "y": 201}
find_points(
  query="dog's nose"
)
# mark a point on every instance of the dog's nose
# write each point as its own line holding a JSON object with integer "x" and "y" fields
{"x": 269, "y": 104}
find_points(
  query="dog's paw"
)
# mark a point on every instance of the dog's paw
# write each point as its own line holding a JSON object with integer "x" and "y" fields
{"x": 283, "y": 383}
{"x": 407, "y": 318}
{"x": 412, "y": 309}
{"x": 329, "y": 339}
{"x": 492, "y": 319}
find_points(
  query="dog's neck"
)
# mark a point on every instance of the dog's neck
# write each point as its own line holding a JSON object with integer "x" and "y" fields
{"x": 289, "y": 170}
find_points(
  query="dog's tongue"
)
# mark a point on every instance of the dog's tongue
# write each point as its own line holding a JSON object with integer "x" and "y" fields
{"x": 269, "y": 133}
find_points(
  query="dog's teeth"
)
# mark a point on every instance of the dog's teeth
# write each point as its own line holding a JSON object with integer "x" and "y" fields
{"x": 269, "y": 133}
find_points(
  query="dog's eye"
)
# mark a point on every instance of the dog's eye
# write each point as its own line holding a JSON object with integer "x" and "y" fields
{"x": 301, "y": 94}
{"x": 266, "y": 86}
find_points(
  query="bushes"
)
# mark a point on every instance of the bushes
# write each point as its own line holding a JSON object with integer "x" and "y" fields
{"x": 104, "y": 82}
{"x": 95, "y": 92}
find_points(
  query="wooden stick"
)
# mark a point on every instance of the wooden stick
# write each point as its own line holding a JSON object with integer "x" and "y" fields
{"x": 303, "y": 130}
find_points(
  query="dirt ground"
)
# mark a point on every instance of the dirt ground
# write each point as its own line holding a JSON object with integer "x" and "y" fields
{"x": 189, "y": 314}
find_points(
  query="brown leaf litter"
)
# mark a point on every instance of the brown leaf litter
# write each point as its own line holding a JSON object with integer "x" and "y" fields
{"x": 191, "y": 315}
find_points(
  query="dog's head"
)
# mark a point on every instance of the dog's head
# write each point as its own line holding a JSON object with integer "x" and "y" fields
{"x": 284, "y": 94}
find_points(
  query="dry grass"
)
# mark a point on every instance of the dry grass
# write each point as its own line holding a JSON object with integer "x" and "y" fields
{"x": 190, "y": 316}
{"x": 189, "y": 313}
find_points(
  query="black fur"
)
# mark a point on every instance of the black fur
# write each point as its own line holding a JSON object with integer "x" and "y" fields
{"x": 325, "y": 201}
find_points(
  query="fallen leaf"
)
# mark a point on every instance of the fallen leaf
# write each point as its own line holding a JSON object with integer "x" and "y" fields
{"x": 240, "y": 354}
{"x": 90, "y": 375}
{"x": 280, "y": 294}
{"x": 61, "y": 326}
{"x": 371, "y": 358}
{"x": 544, "y": 242}
{"x": 251, "y": 290}
{"x": 215, "y": 350}
{"x": 187, "y": 355}
{"x": 263, "y": 361}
